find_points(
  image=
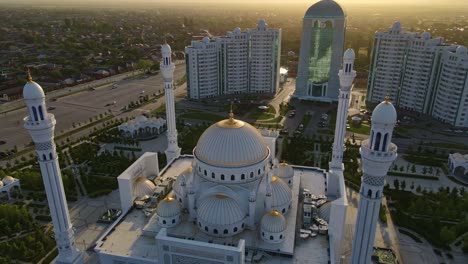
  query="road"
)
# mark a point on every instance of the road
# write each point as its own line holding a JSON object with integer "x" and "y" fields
{"x": 80, "y": 107}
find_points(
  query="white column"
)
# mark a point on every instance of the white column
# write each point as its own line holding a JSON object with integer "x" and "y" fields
{"x": 346, "y": 75}
{"x": 252, "y": 206}
{"x": 167, "y": 69}
{"x": 41, "y": 128}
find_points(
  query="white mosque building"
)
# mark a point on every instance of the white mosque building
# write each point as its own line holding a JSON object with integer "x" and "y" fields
{"x": 142, "y": 127}
{"x": 230, "y": 201}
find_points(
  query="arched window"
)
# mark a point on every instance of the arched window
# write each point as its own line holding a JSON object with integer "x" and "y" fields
{"x": 180, "y": 200}
{"x": 199, "y": 224}
{"x": 243, "y": 225}
{"x": 204, "y": 172}
{"x": 50, "y": 156}
{"x": 34, "y": 111}
{"x": 372, "y": 138}
{"x": 212, "y": 175}
{"x": 271, "y": 237}
{"x": 199, "y": 169}
{"x": 222, "y": 177}
{"x": 225, "y": 231}
{"x": 44, "y": 157}
{"x": 233, "y": 177}
{"x": 377, "y": 194}
{"x": 243, "y": 177}
{"x": 281, "y": 236}
{"x": 369, "y": 193}
{"x": 206, "y": 228}
{"x": 384, "y": 145}
{"x": 377, "y": 141}
{"x": 41, "y": 115}
{"x": 215, "y": 231}
{"x": 235, "y": 229}
{"x": 284, "y": 210}
{"x": 258, "y": 171}
{"x": 263, "y": 234}
{"x": 173, "y": 221}
{"x": 164, "y": 222}
{"x": 251, "y": 174}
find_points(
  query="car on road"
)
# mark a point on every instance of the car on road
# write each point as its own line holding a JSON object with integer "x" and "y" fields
{"x": 142, "y": 92}
{"x": 291, "y": 115}
{"x": 92, "y": 89}
{"x": 114, "y": 86}
{"x": 109, "y": 104}
{"x": 50, "y": 108}
{"x": 301, "y": 126}
{"x": 284, "y": 131}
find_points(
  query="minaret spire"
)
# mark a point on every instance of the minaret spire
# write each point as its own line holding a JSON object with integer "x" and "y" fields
{"x": 40, "y": 126}
{"x": 167, "y": 69}
{"x": 346, "y": 75}
{"x": 377, "y": 155}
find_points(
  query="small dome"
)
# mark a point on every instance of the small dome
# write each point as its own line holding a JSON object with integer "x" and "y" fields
{"x": 231, "y": 143}
{"x": 168, "y": 207}
{"x": 141, "y": 119}
{"x": 206, "y": 39}
{"x": 143, "y": 187}
{"x": 273, "y": 222}
{"x": 349, "y": 54}
{"x": 384, "y": 113}
{"x": 281, "y": 192}
{"x": 32, "y": 90}
{"x": 219, "y": 210}
{"x": 8, "y": 180}
{"x": 461, "y": 50}
{"x": 426, "y": 35}
{"x": 284, "y": 170}
{"x": 325, "y": 8}
{"x": 166, "y": 50}
{"x": 396, "y": 26}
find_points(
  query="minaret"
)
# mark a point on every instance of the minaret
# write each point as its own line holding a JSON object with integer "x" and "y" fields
{"x": 346, "y": 75}
{"x": 167, "y": 69}
{"x": 377, "y": 155}
{"x": 40, "y": 126}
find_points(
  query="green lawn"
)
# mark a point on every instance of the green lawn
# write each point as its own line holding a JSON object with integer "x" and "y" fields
{"x": 159, "y": 110}
{"x": 362, "y": 129}
{"x": 203, "y": 116}
{"x": 448, "y": 145}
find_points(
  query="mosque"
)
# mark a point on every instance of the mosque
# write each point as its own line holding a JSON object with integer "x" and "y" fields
{"x": 230, "y": 201}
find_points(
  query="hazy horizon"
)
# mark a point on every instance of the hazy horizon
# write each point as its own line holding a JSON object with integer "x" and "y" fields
{"x": 425, "y": 3}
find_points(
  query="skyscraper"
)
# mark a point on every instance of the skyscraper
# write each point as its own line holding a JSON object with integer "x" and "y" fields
{"x": 322, "y": 43}
{"x": 378, "y": 154}
{"x": 240, "y": 62}
{"x": 41, "y": 125}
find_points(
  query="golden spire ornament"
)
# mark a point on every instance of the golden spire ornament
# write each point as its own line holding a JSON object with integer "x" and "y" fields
{"x": 29, "y": 78}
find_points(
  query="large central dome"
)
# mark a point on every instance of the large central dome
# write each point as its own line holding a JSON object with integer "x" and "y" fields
{"x": 325, "y": 8}
{"x": 231, "y": 143}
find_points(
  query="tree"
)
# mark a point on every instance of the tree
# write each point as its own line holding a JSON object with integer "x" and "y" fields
{"x": 402, "y": 169}
{"x": 395, "y": 167}
{"x": 413, "y": 168}
{"x": 447, "y": 234}
{"x": 412, "y": 185}
{"x": 144, "y": 65}
{"x": 403, "y": 185}
{"x": 418, "y": 189}
{"x": 424, "y": 171}
{"x": 396, "y": 184}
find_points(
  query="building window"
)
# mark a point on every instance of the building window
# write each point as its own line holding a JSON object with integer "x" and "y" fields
{"x": 235, "y": 229}
{"x": 271, "y": 237}
{"x": 225, "y": 231}
{"x": 251, "y": 174}
{"x": 204, "y": 172}
{"x": 281, "y": 236}
{"x": 243, "y": 177}
{"x": 263, "y": 234}
{"x": 233, "y": 177}
{"x": 173, "y": 221}
{"x": 222, "y": 177}
{"x": 206, "y": 228}
{"x": 164, "y": 222}
{"x": 258, "y": 171}
{"x": 212, "y": 175}
{"x": 215, "y": 231}
{"x": 243, "y": 225}
{"x": 41, "y": 115}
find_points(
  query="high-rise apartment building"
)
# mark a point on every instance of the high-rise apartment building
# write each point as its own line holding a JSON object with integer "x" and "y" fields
{"x": 388, "y": 56}
{"x": 421, "y": 74}
{"x": 240, "y": 62}
{"x": 322, "y": 43}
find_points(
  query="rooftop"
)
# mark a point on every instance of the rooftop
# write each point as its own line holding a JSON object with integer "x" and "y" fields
{"x": 135, "y": 234}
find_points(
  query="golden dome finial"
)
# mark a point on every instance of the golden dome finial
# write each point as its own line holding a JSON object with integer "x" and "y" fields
{"x": 387, "y": 98}
{"x": 231, "y": 114}
{"x": 29, "y": 78}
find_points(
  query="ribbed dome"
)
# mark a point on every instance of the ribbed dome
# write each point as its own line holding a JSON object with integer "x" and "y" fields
{"x": 349, "y": 54}
{"x": 166, "y": 50}
{"x": 231, "y": 143}
{"x": 142, "y": 187}
{"x": 219, "y": 210}
{"x": 284, "y": 170}
{"x": 325, "y": 8}
{"x": 32, "y": 90}
{"x": 168, "y": 207}
{"x": 273, "y": 222}
{"x": 281, "y": 193}
{"x": 8, "y": 180}
{"x": 384, "y": 113}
